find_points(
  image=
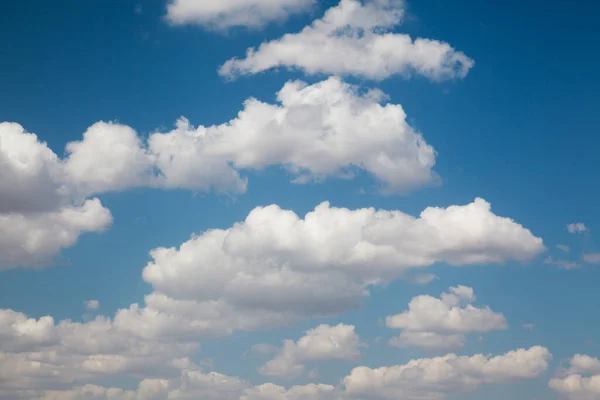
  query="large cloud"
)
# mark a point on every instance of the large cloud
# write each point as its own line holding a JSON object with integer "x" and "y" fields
{"x": 581, "y": 381}
{"x": 317, "y": 131}
{"x": 223, "y": 14}
{"x": 329, "y": 129}
{"x": 432, "y": 323}
{"x": 324, "y": 342}
{"x": 353, "y": 38}
{"x": 436, "y": 378}
{"x": 275, "y": 267}
{"x": 429, "y": 378}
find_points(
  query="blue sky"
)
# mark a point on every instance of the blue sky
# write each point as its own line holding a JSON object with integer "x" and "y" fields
{"x": 518, "y": 130}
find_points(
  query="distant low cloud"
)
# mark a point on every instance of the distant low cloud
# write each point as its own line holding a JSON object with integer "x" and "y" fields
{"x": 322, "y": 343}
{"x": 92, "y": 304}
{"x": 562, "y": 264}
{"x": 577, "y": 227}
{"x": 563, "y": 247}
{"x": 440, "y": 377}
{"x": 591, "y": 258}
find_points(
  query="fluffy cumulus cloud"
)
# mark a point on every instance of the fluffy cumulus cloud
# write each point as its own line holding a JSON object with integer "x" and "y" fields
{"x": 223, "y": 14}
{"x": 324, "y": 342}
{"x": 355, "y": 38}
{"x": 435, "y": 378}
{"x": 432, "y": 323}
{"x": 328, "y": 129}
{"x": 38, "y": 214}
{"x": 191, "y": 385}
{"x": 33, "y": 239}
{"x": 40, "y": 375}
{"x": 320, "y": 130}
{"x": 41, "y": 354}
{"x": 275, "y": 267}
{"x": 581, "y": 381}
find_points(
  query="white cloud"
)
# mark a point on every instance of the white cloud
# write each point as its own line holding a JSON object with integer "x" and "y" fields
{"x": 562, "y": 264}
{"x": 316, "y": 131}
{"x": 529, "y": 326}
{"x": 39, "y": 213}
{"x": 436, "y": 378}
{"x": 432, "y": 378}
{"x": 192, "y": 385}
{"x": 33, "y": 239}
{"x": 92, "y": 304}
{"x": 31, "y": 178}
{"x": 591, "y": 258}
{"x": 328, "y": 129}
{"x": 423, "y": 279}
{"x": 270, "y": 391}
{"x": 223, "y": 14}
{"x": 577, "y": 227}
{"x": 573, "y": 385}
{"x": 324, "y": 342}
{"x": 275, "y": 267}
{"x": 433, "y": 323}
{"x": 355, "y": 39}
{"x": 564, "y": 248}
{"x": 39, "y": 354}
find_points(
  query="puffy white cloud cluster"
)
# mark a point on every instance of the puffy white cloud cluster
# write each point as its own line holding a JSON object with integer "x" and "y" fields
{"x": 355, "y": 38}
{"x": 268, "y": 270}
{"x": 432, "y": 323}
{"x": 38, "y": 216}
{"x": 581, "y": 381}
{"x": 324, "y": 342}
{"x": 327, "y": 129}
{"x": 223, "y": 14}
{"x": 275, "y": 267}
{"x": 427, "y": 378}
{"x": 39, "y": 354}
{"x": 436, "y": 378}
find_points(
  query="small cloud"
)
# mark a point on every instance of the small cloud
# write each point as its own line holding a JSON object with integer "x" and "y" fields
{"x": 263, "y": 349}
{"x": 563, "y": 247}
{"x": 313, "y": 374}
{"x": 562, "y": 264}
{"x": 423, "y": 279}
{"x": 529, "y": 326}
{"x": 592, "y": 258}
{"x": 207, "y": 363}
{"x": 92, "y": 304}
{"x": 138, "y": 9}
{"x": 577, "y": 227}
